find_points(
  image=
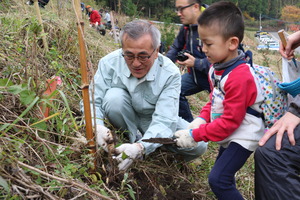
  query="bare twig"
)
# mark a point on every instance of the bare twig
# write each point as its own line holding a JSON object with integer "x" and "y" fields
{"x": 64, "y": 180}
{"x": 28, "y": 184}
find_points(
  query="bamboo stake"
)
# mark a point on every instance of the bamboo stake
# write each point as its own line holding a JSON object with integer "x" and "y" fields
{"x": 119, "y": 7}
{"x": 58, "y": 7}
{"x": 282, "y": 37}
{"x": 52, "y": 7}
{"x": 85, "y": 82}
{"x": 38, "y": 13}
{"x": 284, "y": 43}
{"x": 113, "y": 26}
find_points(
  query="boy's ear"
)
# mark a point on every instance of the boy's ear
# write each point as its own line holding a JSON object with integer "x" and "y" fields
{"x": 234, "y": 43}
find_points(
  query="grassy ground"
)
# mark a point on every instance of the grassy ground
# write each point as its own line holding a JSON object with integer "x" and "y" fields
{"x": 50, "y": 160}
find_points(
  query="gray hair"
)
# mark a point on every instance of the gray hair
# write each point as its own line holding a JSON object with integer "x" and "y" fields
{"x": 138, "y": 28}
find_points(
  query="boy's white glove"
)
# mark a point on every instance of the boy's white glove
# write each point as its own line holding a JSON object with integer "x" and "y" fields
{"x": 196, "y": 123}
{"x": 127, "y": 153}
{"x": 104, "y": 137}
{"x": 184, "y": 139}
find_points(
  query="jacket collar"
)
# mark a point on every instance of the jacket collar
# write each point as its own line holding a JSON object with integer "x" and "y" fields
{"x": 221, "y": 66}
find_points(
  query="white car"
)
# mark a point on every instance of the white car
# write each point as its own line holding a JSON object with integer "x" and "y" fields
{"x": 265, "y": 38}
{"x": 274, "y": 46}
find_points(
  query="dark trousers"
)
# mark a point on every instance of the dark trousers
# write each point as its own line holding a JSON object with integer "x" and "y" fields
{"x": 189, "y": 87}
{"x": 222, "y": 176}
{"x": 277, "y": 173}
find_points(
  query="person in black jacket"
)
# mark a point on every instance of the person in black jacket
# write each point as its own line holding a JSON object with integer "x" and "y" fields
{"x": 196, "y": 80}
{"x": 42, "y": 3}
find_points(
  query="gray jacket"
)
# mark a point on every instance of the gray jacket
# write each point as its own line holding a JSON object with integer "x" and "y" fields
{"x": 294, "y": 106}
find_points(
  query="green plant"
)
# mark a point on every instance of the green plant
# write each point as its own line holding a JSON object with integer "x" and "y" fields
{"x": 56, "y": 145}
{"x": 168, "y": 32}
{"x": 129, "y": 189}
{"x": 131, "y": 9}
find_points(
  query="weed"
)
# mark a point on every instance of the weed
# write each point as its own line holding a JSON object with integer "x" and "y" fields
{"x": 47, "y": 157}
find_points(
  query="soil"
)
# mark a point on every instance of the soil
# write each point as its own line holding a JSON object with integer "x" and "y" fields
{"x": 161, "y": 176}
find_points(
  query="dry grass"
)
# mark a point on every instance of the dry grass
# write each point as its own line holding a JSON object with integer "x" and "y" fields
{"x": 58, "y": 150}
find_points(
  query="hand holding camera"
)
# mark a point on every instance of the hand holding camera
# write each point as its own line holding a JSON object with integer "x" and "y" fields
{"x": 185, "y": 60}
{"x": 180, "y": 55}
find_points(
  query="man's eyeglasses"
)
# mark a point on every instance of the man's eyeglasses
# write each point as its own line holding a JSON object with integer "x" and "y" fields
{"x": 141, "y": 58}
{"x": 180, "y": 9}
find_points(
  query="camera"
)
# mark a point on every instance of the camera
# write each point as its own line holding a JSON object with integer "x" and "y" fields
{"x": 180, "y": 55}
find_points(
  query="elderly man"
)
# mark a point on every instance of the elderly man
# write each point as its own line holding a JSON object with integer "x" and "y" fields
{"x": 137, "y": 90}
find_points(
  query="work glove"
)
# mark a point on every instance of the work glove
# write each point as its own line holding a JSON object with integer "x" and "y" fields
{"x": 184, "y": 139}
{"x": 127, "y": 153}
{"x": 196, "y": 123}
{"x": 104, "y": 137}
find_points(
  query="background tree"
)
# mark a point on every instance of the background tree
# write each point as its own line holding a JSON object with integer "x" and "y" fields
{"x": 157, "y": 9}
{"x": 130, "y": 8}
{"x": 290, "y": 14}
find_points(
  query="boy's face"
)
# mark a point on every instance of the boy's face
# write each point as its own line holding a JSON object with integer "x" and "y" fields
{"x": 215, "y": 47}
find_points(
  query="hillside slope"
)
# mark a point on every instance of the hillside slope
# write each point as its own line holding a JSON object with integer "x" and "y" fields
{"x": 48, "y": 159}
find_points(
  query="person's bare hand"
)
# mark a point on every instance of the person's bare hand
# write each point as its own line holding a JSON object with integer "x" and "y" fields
{"x": 293, "y": 41}
{"x": 282, "y": 51}
{"x": 287, "y": 123}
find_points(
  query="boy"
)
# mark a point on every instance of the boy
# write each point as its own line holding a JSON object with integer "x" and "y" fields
{"x": 224, "y": 119}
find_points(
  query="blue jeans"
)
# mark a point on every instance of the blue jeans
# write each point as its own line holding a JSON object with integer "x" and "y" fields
{"x": 190, "y": 86}
{"x": 221, "y": 178}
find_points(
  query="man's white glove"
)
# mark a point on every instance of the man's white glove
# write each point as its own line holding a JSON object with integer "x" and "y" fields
{"x": 127, "y": 153}
{"x": 104, "y": 137}
{"x": 196, "y": 123}
{"x": 184, "y": 139}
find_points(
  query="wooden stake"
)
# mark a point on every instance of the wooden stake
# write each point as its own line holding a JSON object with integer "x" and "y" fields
{"x": 283, "y": 41}
{"x": 85, "y": 82}
{"x": 113, "y": 26}
{"x": 119, "y": 7}
{"x": 282, "y": 37}
{"x": 38, "y": 13}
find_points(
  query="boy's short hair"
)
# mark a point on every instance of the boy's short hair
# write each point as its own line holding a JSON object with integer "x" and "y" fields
{"x": 227, "y": 16}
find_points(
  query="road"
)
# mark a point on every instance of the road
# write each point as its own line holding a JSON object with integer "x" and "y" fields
{"x": 275, "y": 36}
